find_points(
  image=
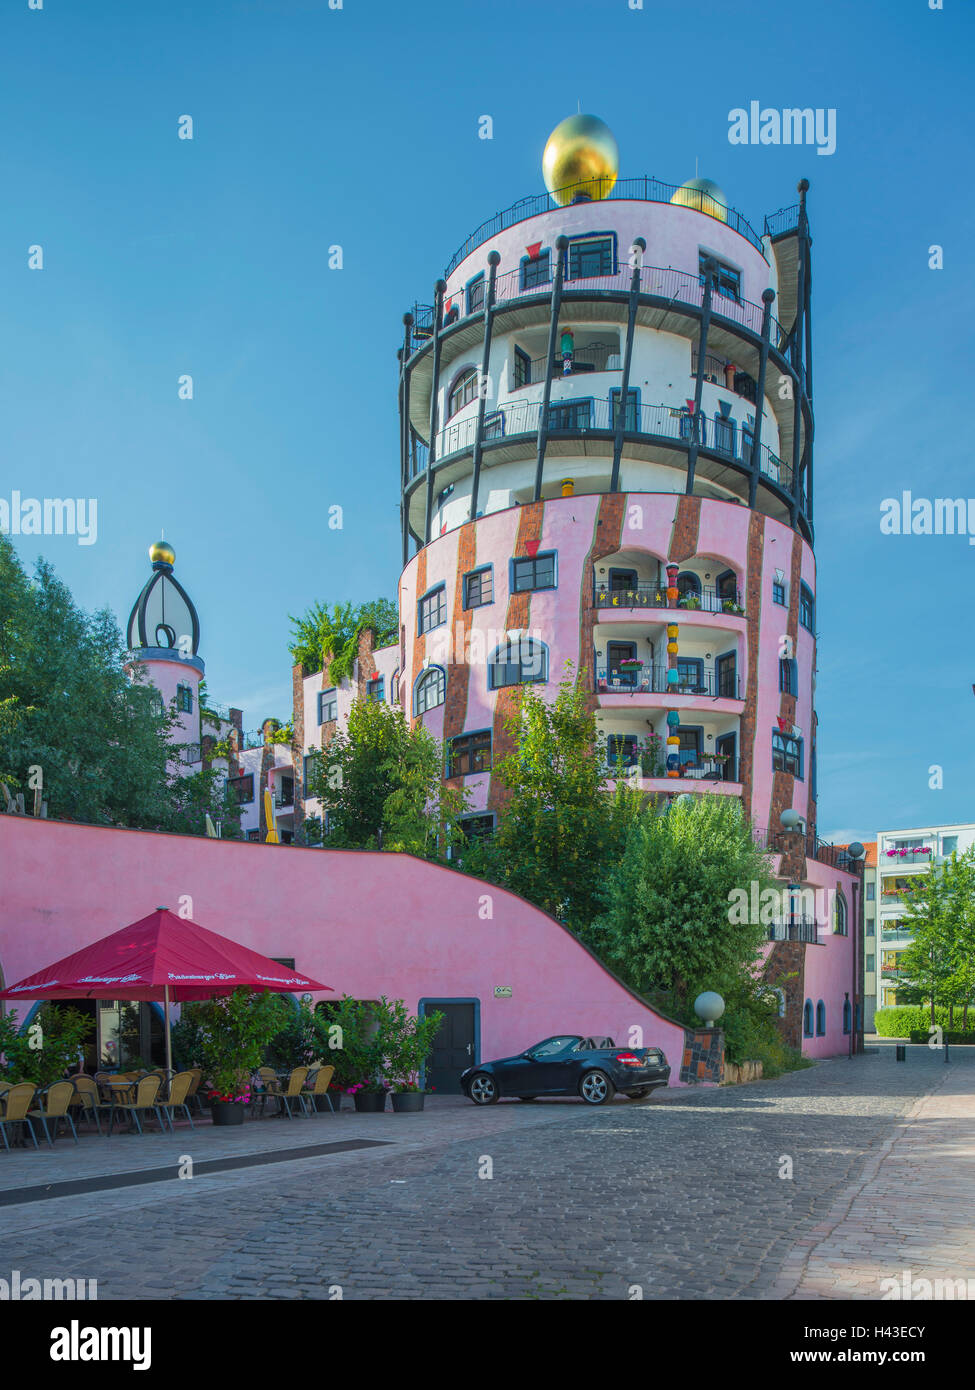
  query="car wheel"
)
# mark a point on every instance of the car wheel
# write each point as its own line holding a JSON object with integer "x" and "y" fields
{"x": 595, "y": 1088}
{"x": 483, "y": 1089}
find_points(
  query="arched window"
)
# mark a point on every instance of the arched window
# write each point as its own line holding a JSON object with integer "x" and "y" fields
{"x": 519, "y": 661}
{"x": 463, "y": 391}
{"x": 807, "y": 1018}
{"x": 840, "y": 917}
{"x": 847, "y": 1016}
{"x": 726, "y": 585}
{"x": 688, "y": 583}
{"x": 820, "y": 1020}
{"x": 430, "y": 690}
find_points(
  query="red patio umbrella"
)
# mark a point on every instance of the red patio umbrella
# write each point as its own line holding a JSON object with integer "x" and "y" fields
{"x": 162, "y": 958}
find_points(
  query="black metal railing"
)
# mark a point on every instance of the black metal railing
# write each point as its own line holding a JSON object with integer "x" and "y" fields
{"x": 598, "y": 357}
{"x": 647, "y": 593}
{"x": 781, "y": 841}
{"x": 797, "y": 928}
{"x": 678, "y": 287}
{"x": 653, "y": 680}
{"x": 645, "y": 190}
{"x": 587, "y": 415}
{"x": 785, "y": 220}
{"x": 705, "y": 769}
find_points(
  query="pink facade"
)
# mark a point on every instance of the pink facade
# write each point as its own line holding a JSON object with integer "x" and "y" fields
{"x": 367, "y": 924}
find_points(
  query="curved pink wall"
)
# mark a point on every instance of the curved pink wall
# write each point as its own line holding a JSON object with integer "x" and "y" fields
{"x": 367, "y": 924}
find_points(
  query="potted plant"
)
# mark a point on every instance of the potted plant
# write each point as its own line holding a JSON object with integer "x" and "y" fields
{"x": 232, "y": 1034}
{"x": 409, "y": 1042}
{"x": 357, "y": 1029}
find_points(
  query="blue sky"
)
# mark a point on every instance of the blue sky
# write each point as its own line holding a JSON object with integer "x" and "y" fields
{"x": 359, "y": 127}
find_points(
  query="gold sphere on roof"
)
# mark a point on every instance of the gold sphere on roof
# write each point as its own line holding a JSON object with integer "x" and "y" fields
{"x": 161, "y": 552}
{"x": 581, "y": 156}
{"x": 703, "y": 195}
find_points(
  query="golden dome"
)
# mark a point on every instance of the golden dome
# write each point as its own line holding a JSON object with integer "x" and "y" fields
{"x": 162, "y": 553}
{"x": 581, "y": 156}
{"x": 703, "y": 195}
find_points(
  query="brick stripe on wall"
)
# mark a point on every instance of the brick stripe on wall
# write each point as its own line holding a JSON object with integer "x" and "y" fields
{"x": 687, "y": 522}
{"x": 607, "y": 538}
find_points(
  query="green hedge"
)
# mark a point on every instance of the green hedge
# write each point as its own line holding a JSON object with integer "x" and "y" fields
{"x": 905, "y": 1019}
{"x": 946, "y": 1037}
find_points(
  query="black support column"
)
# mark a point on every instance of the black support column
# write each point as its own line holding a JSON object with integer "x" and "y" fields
{"x": 404, "y": 433}
{"x": 710, "y": 267}
{"x": 639, "y": 246}
{"x": 767, "y": 297}
{"x": 494, "y": 260}
{"x": 438, "y": 293}
{"x": 561, "y": 245}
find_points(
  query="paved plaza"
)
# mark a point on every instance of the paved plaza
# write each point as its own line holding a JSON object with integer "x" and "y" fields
{"x": 678, "y": 1196}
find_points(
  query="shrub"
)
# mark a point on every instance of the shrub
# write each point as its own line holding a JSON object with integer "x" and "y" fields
{"x": 49, "y": 1046}
{"x": 904, "y": 1019}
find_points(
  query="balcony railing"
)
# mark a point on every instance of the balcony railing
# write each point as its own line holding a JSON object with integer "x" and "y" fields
{"x": 716, "y": 372}
{"x": 677, "y": 287}
{"x": 785, "y": 220}
{"x": 705, "y": 769}
{"x": 585, "y": 416}
{"x": 780, "y": 841}
{"x": 653, "y": 680}
{"x": 643, "y": 190}
{"x": 649, "y": 594}
{"x": 599, "y": 357}
{"x": 798, "y": 928}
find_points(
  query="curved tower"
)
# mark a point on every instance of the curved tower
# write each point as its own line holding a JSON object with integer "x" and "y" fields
{"x": 164, "y": 636}
{"x": 606, "y": 459}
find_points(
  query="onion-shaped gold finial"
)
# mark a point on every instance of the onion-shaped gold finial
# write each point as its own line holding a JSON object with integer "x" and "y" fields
{"x": 581, "y": 157}
{"x": 162, "y": 553}
{"x": 703, "y": 195}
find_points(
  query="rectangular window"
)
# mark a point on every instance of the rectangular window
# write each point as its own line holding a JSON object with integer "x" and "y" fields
{"x": 307, "y": 769}
{"x": 375, "y": 690}
{"x": 328, "y": 706}
{"x": 470, "y": 753}
{"x": 690, "y": 669}
{"x": 475, "y": 295}
{"x": 521, "y": 369}
{"x": 243, "y": 787}
{"x": 747, "y": 443}
{"x": 477, "y": 827}
{"x": 537, "y": 572}
{"x": 537, "y": 272}
{"x": 725, "y": 280}
{"x": 432, "y": 609}
{"x": 519, "y": 661}
{"x": 286, "y": 792}
{"x": 590, "y": 256}
{"x": 570, "y": 415}
{"x": 621, "y": 748}
{"x": 724, "y": 434}
{"x": 184, "y": 699}
{"x": 254, "y": 836}
{"x": 778, "y": 593}
{"x": 870, "y": 928}
{"x": 871, "y": 892}
{"x": 632, "y": 409}
{"x": 727, "y": 672}
{"x": 807, "y": 608}
{"x": 786, "y": 753}
{"x": 689, "y": 748}
{"x": 788, "y": 676}
{"x": 870, "y": 962}
{"x": 479, "y": 588}
{"x": 949, "y": 844}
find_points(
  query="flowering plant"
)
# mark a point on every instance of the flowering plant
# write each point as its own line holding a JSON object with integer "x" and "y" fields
{"x": 231, "y": 1099}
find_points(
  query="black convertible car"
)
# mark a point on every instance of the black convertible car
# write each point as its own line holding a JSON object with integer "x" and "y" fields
{"x": 570, "y": 1065}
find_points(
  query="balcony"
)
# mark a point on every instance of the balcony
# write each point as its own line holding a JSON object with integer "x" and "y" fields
{"x": 648, "y": 593}
{"x": 595, "y": 357}
{"x": 707, "y": 769}
{"x": 652, "y": 680}
{"x": 797, "y": 928}
{"x": 721, "y": 373}
{"x": 665, "y": 425}
{"x": 779, "y": 841}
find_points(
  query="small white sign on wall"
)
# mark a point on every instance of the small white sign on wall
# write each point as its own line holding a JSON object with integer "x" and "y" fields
{"x": 502, "y": 991}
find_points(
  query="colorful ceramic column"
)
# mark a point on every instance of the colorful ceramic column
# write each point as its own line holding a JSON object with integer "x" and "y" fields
{"x": 673, "y": 677}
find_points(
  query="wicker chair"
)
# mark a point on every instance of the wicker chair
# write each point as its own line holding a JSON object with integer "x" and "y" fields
{"x": 146, "y": 1098}
{"x": 293, "y": 1091}
{"x": 87, "y": 1099}
{"x": 197, "y": 1074}
{"x": 179, "y": 1089}
{"x": 54, "y": 1103}
{"x": 16, "y": 1103}
{"x": 271, "y": 1089}
{"x": 322, "y": 1081}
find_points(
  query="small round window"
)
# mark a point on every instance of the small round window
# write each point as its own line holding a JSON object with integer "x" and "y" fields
{"x": 165, "y": 636}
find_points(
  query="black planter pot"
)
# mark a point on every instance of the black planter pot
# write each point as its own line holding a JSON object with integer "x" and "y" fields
{"x": 227, "y": 1112}
{"x": 408, "y": 1101}
{"x": 370, "y": 1102}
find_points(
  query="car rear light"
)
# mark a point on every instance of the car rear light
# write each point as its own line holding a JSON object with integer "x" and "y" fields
{"x": 629, "y": 1059}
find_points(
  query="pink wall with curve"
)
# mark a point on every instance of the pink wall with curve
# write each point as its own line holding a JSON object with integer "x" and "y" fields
{"x": 367, "y": 924}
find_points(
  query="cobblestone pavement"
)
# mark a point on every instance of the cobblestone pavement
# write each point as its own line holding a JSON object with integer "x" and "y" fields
{"x": 678, "y": 1196}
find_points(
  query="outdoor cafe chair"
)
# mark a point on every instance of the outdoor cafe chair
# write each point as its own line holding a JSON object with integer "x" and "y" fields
{"x": 146, "y": 1099}
{"x": 322, "y": 1081}
{"x": 197, "y": 1074}
{"x": 16, "y": 1103}
{"x": 179, "y": 1089}
{"x": 54, "y": 1104}
{"x": 293, "y": 1090}
{"x": 270, "y": 1089}
{"x": 87, "y": 1099}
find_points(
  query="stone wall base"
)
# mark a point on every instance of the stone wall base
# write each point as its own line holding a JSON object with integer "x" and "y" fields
{"x": 734, "y": 1075}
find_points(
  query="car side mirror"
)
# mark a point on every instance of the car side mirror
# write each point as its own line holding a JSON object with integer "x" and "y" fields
{"x": 530, "y": 1056}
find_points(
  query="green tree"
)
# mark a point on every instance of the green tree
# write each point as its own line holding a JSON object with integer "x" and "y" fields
{"x": 71, "y": 712}
{"x": 667, "y": 928}
{"x": 47, "y": 1048}
{"x": 559, "y": 828}
{"x": 381, "y": 783}
{"x": 324, "y": 634}
{"x": 938, "y": 967}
